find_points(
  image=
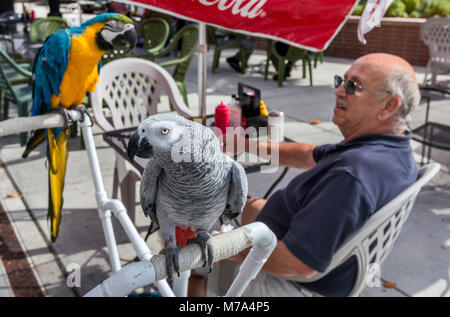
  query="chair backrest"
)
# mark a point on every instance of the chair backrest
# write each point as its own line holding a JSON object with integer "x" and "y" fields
{"x": 5, "y": 83}
{"x": 374, "y": 241}
{"x": 435, "y": 33}
{"x": 189, "y": 37}
{"x": 155, "y": 32}
{"x": 130, "y": 89}
{"x": 213, "y": 33}
{"x": 295, "y": 53}
{"x": 42, "y": 28}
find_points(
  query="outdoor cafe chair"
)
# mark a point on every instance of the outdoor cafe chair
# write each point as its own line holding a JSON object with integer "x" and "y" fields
{"x": 220, "y": 45}
{"x": 12, "y": 75}
{"x": 373, "y": 243}
{"x": 188, "y": 36}
{"x": 129, "y": 89}
{"x": 435, "y": 33}
{"x": 40, "y": 29}
{"x": 155, "y": 32}
{"x": 293, "y": 54}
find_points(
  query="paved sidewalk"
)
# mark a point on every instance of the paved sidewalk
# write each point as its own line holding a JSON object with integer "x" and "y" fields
{"x": 419, "y": 264}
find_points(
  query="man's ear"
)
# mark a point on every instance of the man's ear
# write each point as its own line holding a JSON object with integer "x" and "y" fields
{"x": 390, "y": 108}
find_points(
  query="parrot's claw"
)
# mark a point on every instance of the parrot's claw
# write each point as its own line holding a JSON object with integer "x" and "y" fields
{"x": 83, "y": 110}
{"x": 66, "y": 116}
{"x": 172, "y": 264}
{"x": 203, "y": 240}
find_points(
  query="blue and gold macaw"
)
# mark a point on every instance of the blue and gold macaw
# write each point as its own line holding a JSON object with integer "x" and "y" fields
{"x": 66, "y": 68}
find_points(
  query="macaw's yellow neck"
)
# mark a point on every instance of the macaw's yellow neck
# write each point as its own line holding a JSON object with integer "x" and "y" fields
{"x": 81, "y": 75}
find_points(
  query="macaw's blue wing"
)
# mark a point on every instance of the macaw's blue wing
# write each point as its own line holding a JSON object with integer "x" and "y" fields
{"x": 50, "y": 67}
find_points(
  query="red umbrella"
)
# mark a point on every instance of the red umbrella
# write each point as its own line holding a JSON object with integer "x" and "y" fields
{"x": 303, "y": 23}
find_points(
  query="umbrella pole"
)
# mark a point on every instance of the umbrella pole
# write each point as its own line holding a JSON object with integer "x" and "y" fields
{"x": 202, "y": 49}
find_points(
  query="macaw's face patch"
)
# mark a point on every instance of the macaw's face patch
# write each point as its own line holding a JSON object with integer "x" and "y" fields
{"x": 117, "y": 34}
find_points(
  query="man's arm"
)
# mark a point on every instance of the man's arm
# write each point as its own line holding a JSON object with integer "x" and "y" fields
{"x": 282, "y": 261}
{"x": 291, "y": 154}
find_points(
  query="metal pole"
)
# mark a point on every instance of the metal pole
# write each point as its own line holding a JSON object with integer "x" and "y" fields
{"x": 100, "y": 194}
{"x": 202, "y": 49}
{"x": 105, "y": 206}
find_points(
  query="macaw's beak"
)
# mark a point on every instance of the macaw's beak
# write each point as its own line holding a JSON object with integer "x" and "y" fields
{"x": 126, "y": 39}
{"x": 140, "y": 147}
{"x": 131, "y": 37}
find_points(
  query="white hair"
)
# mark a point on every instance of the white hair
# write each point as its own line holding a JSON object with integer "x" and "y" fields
{"x": 402, "y": 84}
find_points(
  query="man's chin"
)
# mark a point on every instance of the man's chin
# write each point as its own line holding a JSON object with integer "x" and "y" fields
{"x": 337, "y": 122}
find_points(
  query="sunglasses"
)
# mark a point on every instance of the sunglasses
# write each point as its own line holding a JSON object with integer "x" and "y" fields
{"x": 350, "y": 86}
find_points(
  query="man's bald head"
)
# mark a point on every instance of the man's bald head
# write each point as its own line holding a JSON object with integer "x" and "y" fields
{"x": 387, "y": 63}
{"x": 398, "y": 76}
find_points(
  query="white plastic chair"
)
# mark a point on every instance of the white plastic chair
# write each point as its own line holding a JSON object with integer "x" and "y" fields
{"x": 374, "y": 241}
{"x": 130, "y": 89}
{"x": 435, "y": 33}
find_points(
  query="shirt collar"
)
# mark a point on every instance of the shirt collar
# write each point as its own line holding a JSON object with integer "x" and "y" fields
{"x": 391, "y": 140}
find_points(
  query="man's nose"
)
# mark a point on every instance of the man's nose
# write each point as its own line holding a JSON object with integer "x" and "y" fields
{"x": 340, "y": 90}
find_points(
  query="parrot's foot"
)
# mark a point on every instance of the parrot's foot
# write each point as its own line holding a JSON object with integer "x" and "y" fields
{"x": 172, "y": 264}
{"x": 66, "y": 116}
{"x": 203, "y": 240}
{"x": 83, "y": 110}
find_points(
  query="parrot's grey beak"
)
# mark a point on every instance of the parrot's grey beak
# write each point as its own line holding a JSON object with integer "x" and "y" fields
{"x": 138, "y": 146}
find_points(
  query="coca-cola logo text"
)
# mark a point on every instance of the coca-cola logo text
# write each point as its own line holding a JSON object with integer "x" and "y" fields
{"x": 245, "y": 8}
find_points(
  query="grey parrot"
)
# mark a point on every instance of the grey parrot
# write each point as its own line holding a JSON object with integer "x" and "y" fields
{"x": 188, "y": 181}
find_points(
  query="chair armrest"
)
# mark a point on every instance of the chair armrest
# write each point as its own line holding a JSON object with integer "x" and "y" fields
{"x": 17, "y": 67}
{"x": 176, "y": 61}
{"x": 168, "y": 49}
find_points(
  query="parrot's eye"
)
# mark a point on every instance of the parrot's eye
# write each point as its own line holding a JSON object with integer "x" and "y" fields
{"x": 164, "y": 131}
{"x": 114, "y": 25}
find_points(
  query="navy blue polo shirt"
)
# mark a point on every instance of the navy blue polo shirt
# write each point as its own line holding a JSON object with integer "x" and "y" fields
{"x": 323, "y": 206}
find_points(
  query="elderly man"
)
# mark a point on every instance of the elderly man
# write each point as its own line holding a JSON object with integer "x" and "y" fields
{"x": 344, "y": 184}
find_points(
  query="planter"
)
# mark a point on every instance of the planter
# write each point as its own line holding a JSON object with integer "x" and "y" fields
{"x": 398, "y": 36}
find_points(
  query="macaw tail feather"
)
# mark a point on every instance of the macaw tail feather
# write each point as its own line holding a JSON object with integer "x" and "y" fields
{"x": 37, "y": 138}
{"x": 57, "y": 157}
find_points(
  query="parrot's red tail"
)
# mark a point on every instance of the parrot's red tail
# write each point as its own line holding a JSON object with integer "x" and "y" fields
{"x": 184, "y": 234}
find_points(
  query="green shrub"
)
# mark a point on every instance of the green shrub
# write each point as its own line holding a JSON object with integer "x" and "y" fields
{"x": 411, "y": 5}
{"x": 413, "y": 8}
{"x": 358, "y": 9}
{"x": 437, "y": 8}
{"x": 396, "y": 9}
{"x": 414, "y": 14}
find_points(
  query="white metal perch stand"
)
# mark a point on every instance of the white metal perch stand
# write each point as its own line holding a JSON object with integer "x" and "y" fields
{"x": 151, "y": 269}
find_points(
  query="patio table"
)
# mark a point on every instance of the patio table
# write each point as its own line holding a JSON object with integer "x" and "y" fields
{"x": 118, "y": 140}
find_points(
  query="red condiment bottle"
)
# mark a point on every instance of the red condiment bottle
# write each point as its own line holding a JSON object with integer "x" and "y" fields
{"x": 222, "y": 117}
